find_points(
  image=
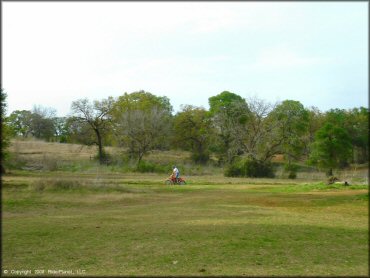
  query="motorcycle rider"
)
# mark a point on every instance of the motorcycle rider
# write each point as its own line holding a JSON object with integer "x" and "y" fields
{"x": 175, "y": 173}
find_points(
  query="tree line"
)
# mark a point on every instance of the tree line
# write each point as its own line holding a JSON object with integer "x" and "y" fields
{"x": 243, "y": 135}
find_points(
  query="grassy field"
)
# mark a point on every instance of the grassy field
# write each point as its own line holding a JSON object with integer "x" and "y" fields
{"x": 132, "y": 224}
{"x": 64, "y": 212}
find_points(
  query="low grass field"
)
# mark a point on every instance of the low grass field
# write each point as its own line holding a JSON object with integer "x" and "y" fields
{"x": 106, "y": 223}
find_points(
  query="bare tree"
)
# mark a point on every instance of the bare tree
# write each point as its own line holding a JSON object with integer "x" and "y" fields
{"x": 97, "y": 116}
{"x": 142, "y": 130}
{"x": 256, "y": 136}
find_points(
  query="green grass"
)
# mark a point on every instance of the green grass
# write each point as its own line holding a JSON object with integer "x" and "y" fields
{"x": 132, "y": 224}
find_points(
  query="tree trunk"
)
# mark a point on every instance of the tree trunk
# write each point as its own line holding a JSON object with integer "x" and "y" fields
{"x": 140, "y": 158}
{"x": 100, "y": 146}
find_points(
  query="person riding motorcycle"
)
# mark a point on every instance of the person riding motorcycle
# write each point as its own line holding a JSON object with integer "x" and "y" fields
{"x": 175, "y": 173}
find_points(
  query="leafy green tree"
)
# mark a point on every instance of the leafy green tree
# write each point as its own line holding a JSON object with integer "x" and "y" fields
{"x": 193, "y": 131}
{"x": 223, "y": 101}
{"x": 42, "y": 123}
{"x": 20, "y": 122}
{"x": 141, "y": 100}
{"x": 5, "y": 131}
{"x": 228, "y": 112}
{"x": 332, "y": 147}
{"x": 355, "y": 122}
{"x": 358, "y": 129}
{"x": 79, "y": 132}
{"x": 261, "y": 135}
{"x": 60, "y": 129}
{"x": 291, "y": 125}
{"x": 142, "y": 122}
{"x": 316, "y": 120}
{"x": 97, "y": 116}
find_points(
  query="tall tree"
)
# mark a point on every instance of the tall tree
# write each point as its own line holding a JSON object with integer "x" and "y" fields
{"x": 229, "y": 113}
{"x": 142, "y": 130}
{"x": 42, "y": 123}
{"x": 292, "y": 124}
{"x": 20, "y": 122}
{"x": 97, "y": 116}
{"x": 355, "y": 122}
{"x": 332, "y": 147}
{"x": 60, "y": 129}
{"x": 5, "y": 131}
{"x": 141, "y": 100}
{"x": 141, "y": 122}
{"x": 258, "y": 134}
{"x": 358, "y": 129}
{"x": 193, "y": 131}
{"x": 316, "y": 120}
{"x": 223, "y": 101}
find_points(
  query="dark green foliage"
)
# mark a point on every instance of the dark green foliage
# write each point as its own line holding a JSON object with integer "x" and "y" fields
{"x": 291, "y": 119}
{"x": 222, "y": 101}
{"x": 229, "y": 113}
{"x": 150, "y": 167}
{"x": 250, "y": 168}
{"x": 193, "y": 131}
{"x": 5, "y": 132}
{"x": 356, "y": 123}
{"x": 331, "y": 148}
{"x": 291, "y": 169}
{"x": 200, "y": 158}
{"x": 105, "y": 157}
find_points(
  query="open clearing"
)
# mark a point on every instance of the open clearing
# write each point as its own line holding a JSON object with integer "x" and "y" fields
{"x": 131, "y": 224}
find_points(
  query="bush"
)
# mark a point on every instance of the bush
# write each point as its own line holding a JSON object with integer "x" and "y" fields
{"x": 233, "y": 170}
{"x": 106, "y": 157}
{"x": 250, "y": 168}
{"x": 201, "y": 158}
{"x": 292, "y": 170}
{"x": 149, "y": 167}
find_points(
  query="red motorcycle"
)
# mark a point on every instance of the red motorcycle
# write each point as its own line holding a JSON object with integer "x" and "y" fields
{"x": 172, "y": 181}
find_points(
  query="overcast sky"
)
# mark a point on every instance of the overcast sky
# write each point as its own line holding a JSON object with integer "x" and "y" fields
{"x": 57, "y": 52}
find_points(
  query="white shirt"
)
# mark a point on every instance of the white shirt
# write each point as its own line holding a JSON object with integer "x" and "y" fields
{"x": 175, "y": 171}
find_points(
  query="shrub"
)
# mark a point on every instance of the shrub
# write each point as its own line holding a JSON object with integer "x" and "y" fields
{"x": 201, "y": 158}
{"x": 250, "y": 168}
{"x": 233, "y": 170}
{"x": 106, "y": 157}
{"x": 149, "y": 167}
{"x": 292, "y": 170}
